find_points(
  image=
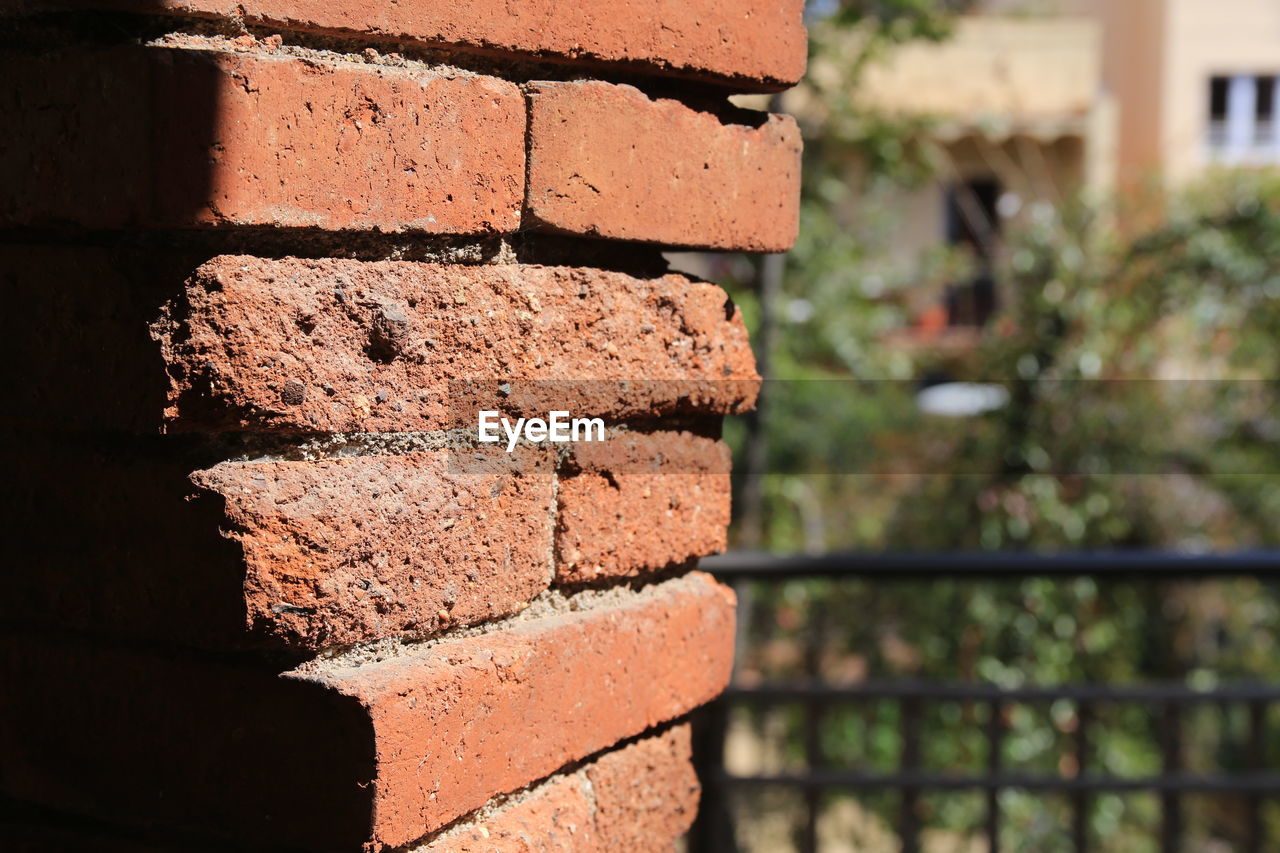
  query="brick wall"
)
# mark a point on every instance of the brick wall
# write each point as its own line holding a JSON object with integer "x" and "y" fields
{"x": 263, "y": 264}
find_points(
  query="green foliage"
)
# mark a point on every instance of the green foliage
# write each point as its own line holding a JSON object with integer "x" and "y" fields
{"x": 1130, "y": 367}
{"x": 1098, "y": 447}
{"x": 1126, "y": 357}
{"x": 1014, "y": 633}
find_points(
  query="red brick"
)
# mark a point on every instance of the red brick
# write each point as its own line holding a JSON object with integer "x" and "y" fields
{"x": 753, "y": 44}
{"x": 534, "y": 696}
{"x": 382, "y": 752}
{"x": 341, "y": 551}
{"x": 374, "y": 347}
{"x": 641, "y": 797}
{"x": 646, "y": 794}
{"x": 639, "y": 503}
{"x": 589, "y": 341}
{"x": 607, "y": 161}
{"x": 296, "y": 555}
{"x": 192, "y": 137}
{"x": 555, "y": 815}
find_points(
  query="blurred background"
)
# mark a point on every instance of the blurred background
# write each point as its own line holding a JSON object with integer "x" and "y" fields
{"x": 1004, "y": 519}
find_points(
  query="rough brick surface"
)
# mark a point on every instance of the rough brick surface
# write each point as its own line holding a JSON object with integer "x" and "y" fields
{"x": 180, "y": 136}
{"x": 311, "y": 346}
{"x": 639, "y": 503}
{"x": 639, "y": 798}
{"x": 607, "y": 161}
{"x": 333, "y": 345}
{"x": 272, "y": 591}
{"x": 753, "y": 43}
{"x": 290, "y": 554}
{"x": 556, "y": 815}
{"x": 646, "y": 794}
{"x": 340, "y": 551}
{"x": 534, "y": 698}
{"x": 383, "y": 753}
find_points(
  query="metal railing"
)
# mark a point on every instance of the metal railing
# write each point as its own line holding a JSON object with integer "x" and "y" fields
{"x": 911, "y": 780}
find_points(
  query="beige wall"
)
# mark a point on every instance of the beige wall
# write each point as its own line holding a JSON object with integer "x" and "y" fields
{"x": 1207, "y": 37}
{"x": 1080, "y": 93}
{"x": 1158, "y": 56}
{"x": 1033, "y": 170}
{"x": 1020, "y": 99}
{"x": 1133, "y": 45}
{"x": 1015, "y": 71}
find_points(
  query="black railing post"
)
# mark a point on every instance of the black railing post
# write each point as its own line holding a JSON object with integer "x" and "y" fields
{"x": 712, "y": 830}
{"x": 1255, "y": 760}
{"x": 1171, "y": 799}
{"x": 743, "y": 591}
{"x": 1080, "y": 800}
{"x": 814, "y": 711}
{"x": 910, "y": 765}
{"x": 1250, "y": 785}
{"x": 995, "y": 759}
{"x": 813, "y": 758}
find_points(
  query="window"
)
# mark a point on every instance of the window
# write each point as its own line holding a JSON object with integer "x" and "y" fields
{"x": 973, "y": 221}
{"x": 1244, "y": 119}
{"x": 1265, "y": 111}
{"x": 1218, "y": 110}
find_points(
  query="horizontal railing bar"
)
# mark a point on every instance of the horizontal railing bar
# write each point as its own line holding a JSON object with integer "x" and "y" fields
{"x": 1251, "y": 783}
{"x": 1173, "y": 692}
{"x": 747, "y": 565}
